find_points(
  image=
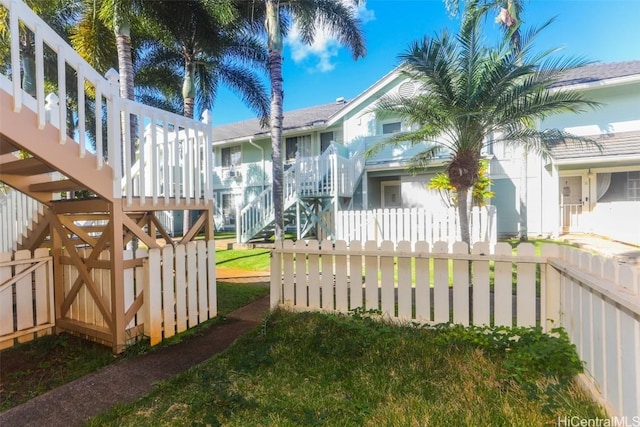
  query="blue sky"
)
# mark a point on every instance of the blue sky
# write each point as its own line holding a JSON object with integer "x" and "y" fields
{"x": 600, "y": 30}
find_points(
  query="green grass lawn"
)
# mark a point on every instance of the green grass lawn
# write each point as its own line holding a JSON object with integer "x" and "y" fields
{"x": 313, "y": 369}
{"x": 244, "y": 259}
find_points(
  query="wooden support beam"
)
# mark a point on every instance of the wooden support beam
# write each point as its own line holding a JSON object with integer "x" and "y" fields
{"x": 117, "y": 277}
{"x": 161, "y": 229}
{"x": 100, "y": 333}
{"x": 194, "y": 228}
{"x": 139, "y": 232}
{"x": 134, "y": 308}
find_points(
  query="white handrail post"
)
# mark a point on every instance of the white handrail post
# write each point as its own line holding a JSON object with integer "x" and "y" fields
{"x": 52, "y": 107}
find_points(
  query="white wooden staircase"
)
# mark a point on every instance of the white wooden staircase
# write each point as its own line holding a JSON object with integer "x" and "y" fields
{"x": 169, "y": 169}
{"x": 314, "y": 188}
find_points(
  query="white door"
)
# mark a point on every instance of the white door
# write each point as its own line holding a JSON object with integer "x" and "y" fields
{"x": 570, "y": 202}
{"x": 391, "y": 195}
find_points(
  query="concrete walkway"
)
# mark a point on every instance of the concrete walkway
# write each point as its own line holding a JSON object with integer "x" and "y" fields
{"x": 622, "y": 252}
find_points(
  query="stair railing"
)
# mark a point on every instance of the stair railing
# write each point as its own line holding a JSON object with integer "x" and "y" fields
{"x": 326, "y": 175}
{"x": 180, "y": 150}
{"x": 259, "y": 213}
{"x": 18, "y": 212}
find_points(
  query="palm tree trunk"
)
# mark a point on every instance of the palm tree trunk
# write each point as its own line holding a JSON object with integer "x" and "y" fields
{"x": 277, "y": 95}
{"x": 188, "y": 88}
{"x": 125, "y": 70}
{"x": 188, "y": 100}
{"x": 463, "y": 215}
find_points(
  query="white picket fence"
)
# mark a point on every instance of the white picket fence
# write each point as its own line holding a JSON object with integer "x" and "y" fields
{"x": 166, "y": 291}
{"x": 415, "y": 225}
{"x": 180, "y": 288}
{"x": 26, "y": 296}
{"x": 600, "y": 310}
{"x": 596, "y": 300}
{"x": 18, "y": 211}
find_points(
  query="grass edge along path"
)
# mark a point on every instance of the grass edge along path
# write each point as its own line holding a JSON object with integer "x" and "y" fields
{"x": 310, "y": 369}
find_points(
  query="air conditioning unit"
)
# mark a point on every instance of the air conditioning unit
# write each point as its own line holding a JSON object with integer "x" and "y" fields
{"x": 233, "y": 174}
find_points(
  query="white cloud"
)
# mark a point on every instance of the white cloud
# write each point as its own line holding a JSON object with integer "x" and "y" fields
{"x": 320, "y": 54}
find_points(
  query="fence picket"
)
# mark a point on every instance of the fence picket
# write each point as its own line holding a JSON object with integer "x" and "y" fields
{"x": 502, "y": 288}
{"x": 355, "y": 275}
{"x": 153, "y": 296}
{"x": 460, "y": 285}
{"x": 629, "y": 364}
{"x": 314, "y": 276}
{"x": 423, "y": 285}
{"x": 203, "y": 306}
{"x": 441, "y": 284}
{"x": 371, "y": 277}
{"x": 387, "y": 270}
{"x": 404, "y": 282}
{"x": 301, "y": 290}
{"x": 287, "y": 275}
{"x": 526, "y": 287}
{"x": 481, "y": 289}
{"x": 326, "y": 281}
{"x": 192, "y": 285}
{"x": 211, "y": 274}
{"x": 613, "y": 369}
{"x": 168, "y": 292}
{"x": 181, "y": 288}
{"x": 342, "y": 290}
{"x": 6, "y": 300}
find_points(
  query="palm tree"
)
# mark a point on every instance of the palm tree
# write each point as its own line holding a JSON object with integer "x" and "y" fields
{"x": 200, "y": 44}
{"x": 508, "y": 17}
{"x": 470, "y": 91}
{"x": 308, "y": 15}
{"x": 190, "y": 49}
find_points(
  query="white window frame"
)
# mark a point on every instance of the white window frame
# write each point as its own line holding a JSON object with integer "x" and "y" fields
{"x": 303, "y": 145}
{"x": 390, "y": 122}
{"x": 233, "y": 163}
{"x": 633, "y": 185}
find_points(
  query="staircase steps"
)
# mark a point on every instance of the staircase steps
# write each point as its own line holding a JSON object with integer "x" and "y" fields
{"x": 26, "y": 167}
{"x": 62, "y": 185}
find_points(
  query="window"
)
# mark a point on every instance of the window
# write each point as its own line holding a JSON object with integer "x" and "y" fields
{"x": 633, "y": 185}
{"x": 325, "y": 140}
{"x": 388, "y": 128}
{"x": 231, "y": 156}
{"x": 295, "y": 144}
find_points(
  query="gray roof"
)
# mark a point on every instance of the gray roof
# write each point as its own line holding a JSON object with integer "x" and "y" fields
{"x": 305, "y": 117}
{"x": 597, "y": 72}
{"x": 613, "y": 145}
